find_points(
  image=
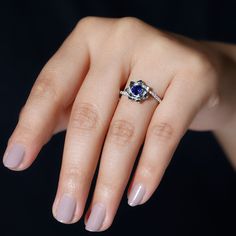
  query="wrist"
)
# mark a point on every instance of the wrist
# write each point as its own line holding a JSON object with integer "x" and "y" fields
{"x": 226, "y": 134}
{"x": 226, "y": 56}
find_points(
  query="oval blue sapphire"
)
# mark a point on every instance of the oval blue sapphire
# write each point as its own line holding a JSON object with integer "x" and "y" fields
{"x": 137, "y": 90}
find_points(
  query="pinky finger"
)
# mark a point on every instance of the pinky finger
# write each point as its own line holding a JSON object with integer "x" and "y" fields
{"x": 170, "y": 121}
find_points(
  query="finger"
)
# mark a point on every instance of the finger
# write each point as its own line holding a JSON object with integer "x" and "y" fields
{"x": 90, "y": 117}
{"x": 124, "y": 139}
{"x": 53, "y": 91}
{"x": 170, "y": 121}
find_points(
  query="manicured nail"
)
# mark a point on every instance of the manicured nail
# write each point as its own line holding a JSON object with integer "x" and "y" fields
{"x": 14, "y": 156}
{"x": 66, "y": 209}
{"x": 96, "y": 218}
{"x": 136, "y": 195}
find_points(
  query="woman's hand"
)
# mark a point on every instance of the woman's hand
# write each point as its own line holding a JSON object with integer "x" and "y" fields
{"x": 78, "y": 90}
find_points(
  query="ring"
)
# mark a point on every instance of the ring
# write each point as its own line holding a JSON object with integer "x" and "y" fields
{"x": 139, "y": 91}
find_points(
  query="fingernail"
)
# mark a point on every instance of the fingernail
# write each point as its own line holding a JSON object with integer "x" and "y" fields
{"x": 96, "y": 218}
{"x": 136, "y": 195}
{"x": 14, "y": 156}
{"x": 66, "y": 209}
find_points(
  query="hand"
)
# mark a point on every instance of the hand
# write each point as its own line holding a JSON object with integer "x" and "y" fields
{"x": 78, "y": 90}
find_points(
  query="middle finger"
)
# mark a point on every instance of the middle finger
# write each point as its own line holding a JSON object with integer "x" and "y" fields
{"x": 89, "y": 120}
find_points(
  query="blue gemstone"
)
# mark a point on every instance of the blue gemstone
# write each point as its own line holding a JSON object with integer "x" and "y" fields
{"x": 137, "y": 90}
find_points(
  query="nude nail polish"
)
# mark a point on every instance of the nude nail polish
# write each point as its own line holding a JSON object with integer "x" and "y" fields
{"x": 66, "y": 209}
{"x": 96, "y": 217}
{"x": 14, "y": 156}
{"x": 136, "y": 195}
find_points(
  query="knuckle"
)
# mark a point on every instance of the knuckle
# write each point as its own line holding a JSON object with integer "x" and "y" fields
{"x": 148, "y": 170}
{"x": 129, "y": 21}
{"x": 86, "y": 22}
{"x": 45, "y": 87}
{"x": 126, "y": 26}
{"x": 25, "y": 131}
{"x": 84, "y": 116}
{"x": 108, "y": 186}
{"x": 73, "y": 176}
{"x": 74, "y": 173}
{"x": 163, "y": 131}
{"x": 121, "y": 131}
{"x": 25, "y": 126}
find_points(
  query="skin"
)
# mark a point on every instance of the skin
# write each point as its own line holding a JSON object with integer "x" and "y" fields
{"x": 78, "y": 90}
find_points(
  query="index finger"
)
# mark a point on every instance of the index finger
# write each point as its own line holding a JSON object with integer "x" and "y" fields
{"x": 53, "y": 91}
